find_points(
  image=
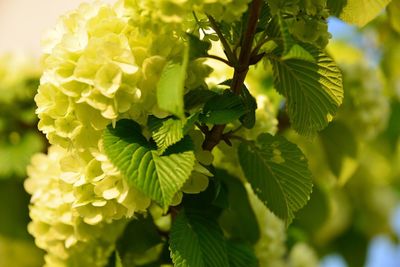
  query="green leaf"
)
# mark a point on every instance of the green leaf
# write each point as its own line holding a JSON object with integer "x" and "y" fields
{"x": 166, "y": 132}
{"x": 278, "y": 173}
{"x": 287, "y": 38}
{"x": 146, "y": 248}
{"x": 264, "y": 18}
{"x": 238, "y": 219}
{"x": 198, "y": 97}
{"x": 248, "y": 120}
{"x": 197, "y": 241}
{"x": 223, "y": 109}
{"x": 338, "y": 142}
{"x": 358, "y": 12}
{"x": 298, "y": 52}
{"x": 158, "y": 176}
{"x": 198, "y": 48}
{"x": 241, "y": 255}
{"x": 171, "y": 86}
{"x": 313, "y": 89}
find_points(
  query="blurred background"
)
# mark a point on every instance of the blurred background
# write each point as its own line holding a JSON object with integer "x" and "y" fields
{"x": 353, "y": 217}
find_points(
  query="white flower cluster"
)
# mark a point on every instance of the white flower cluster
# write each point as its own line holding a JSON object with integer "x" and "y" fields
{"x": 181, "y": 11}
{"x": 57, "y": 205}
{"x": 99, "y": 66}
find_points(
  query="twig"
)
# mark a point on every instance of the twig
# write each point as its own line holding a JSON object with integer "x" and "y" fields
{"x": 230, "y": 55}
{"x": 198, "y": 23}
{"x": 220, "y": 59}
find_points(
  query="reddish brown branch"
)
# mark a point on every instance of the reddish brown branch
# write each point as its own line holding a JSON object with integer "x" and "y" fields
{"x": 216, "y": 134}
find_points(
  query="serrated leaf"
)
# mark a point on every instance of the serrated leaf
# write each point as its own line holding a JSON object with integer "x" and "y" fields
{"x": 287, "y": 39}
{"x": 358, "y": 12}
{"x": 298, "y": 52}
{"x": 197, "y": 241}
{"x": 223, "y": 109}
{"x": 146, "y": 248}
{"x": 313, "y": 90}
{"x": 238, "y": 219}
{"x": 197, "y": 48}
{"x": 158, "y": 176}
{"x": 278, "y": 173}
{"x": 166, "y": 132}
{"x": 241, "y": 255}
{"x": 198, "y": 97}
{"x": 265, "y": 15}
{"x": 248, "y": 120}
{"x": 170, "y": 87}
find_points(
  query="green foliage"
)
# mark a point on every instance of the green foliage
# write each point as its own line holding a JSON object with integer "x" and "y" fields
{"x": 278, "y": 173}
{"x": 238, "y": 219}
{"x": 241, "y": 255}
{"x": 158, "y": 176}
{"x": 301, "y": 16}
{"x": 197, "y": 97}
{"x": 197, "y": 48}
{"x": 165, "y": 132}
{"x": 139, "y": 253}
{"x": 222, "y": 109}
{"x": 248, "y": 120}
{"x": 129, "y": 109}
{"x": 313, "y": 89}
{"x": 170, "y": 87}
{"x": 197, "y": 240}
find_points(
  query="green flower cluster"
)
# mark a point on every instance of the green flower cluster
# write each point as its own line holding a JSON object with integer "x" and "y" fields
{"x": 365, "y": 97}
{"x": 181, "y": 11}
{"x": 101, "y": 64}
{"x": 365, "y": 101}
{"x": 306, "y": 19}
{"x": 69, "y": 238}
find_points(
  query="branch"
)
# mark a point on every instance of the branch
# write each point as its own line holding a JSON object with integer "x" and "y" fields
{"x": 246, "y": 48}
{"x": 216, "y": 134}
